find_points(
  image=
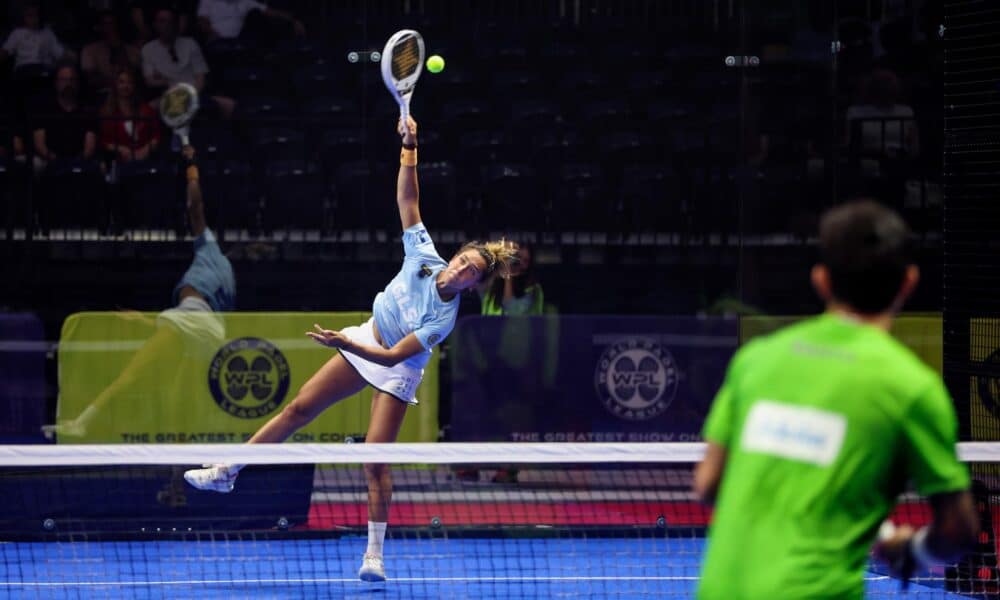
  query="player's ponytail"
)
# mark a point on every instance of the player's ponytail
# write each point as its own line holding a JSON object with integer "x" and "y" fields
{"x": 500, "y": 257}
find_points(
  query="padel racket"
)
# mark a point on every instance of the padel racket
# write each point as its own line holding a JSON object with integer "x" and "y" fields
{"x": 178, "y": 106}
{"x": 402, "y": 63}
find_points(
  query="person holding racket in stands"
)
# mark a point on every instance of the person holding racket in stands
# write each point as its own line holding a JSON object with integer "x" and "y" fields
{"x": 416, "y": 311}
{"x": 193, "y": 326}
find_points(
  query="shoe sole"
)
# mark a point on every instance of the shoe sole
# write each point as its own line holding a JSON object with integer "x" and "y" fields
{"x": 371, "y": 577}
{"x": 208, "y": 488}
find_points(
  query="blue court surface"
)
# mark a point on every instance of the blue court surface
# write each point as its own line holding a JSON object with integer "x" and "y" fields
{"x": 327, "y": 568}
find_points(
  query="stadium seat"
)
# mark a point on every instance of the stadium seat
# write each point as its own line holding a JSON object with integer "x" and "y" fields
{"x": 439, "y": 201}
{"x": 578, "y": 198}
{"x": 278, "y": 143}
{"x": 331, "y": 110}
{"x": 247, "y": 81}
{"x": 296, "y": 196}
{"x": 511, "y": 197}
{"x": 651, "y": 199}
{"x": 365, "y": 196}
{"x": 148, "y": 195}
{"x": 71, "y": 194}
{"x": 230, "y": 195}
{"x": 340, "y": 146}
{"x": 255, "y": 107}
{"x": 554, "y": 147}
{"x": 315, "y": 80}
{"x": 463, "y": 114}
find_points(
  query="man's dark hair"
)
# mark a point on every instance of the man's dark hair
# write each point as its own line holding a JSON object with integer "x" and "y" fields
{"x": 866, "y": 248}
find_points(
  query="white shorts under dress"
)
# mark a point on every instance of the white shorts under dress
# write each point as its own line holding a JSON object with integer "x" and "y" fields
{"x": 202, "y": 329}
{"x": 399, "y": 381}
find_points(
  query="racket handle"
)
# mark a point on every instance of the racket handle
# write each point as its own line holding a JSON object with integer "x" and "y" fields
{"x": 182, "y": 132}
{"x": 404, "y": 109}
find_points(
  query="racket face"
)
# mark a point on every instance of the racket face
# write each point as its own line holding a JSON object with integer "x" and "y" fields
{"x": 178, "y": 105}
{"x": 402, "y": 63}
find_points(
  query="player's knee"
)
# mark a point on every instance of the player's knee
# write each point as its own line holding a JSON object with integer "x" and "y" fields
{"x": 297, "y": 412}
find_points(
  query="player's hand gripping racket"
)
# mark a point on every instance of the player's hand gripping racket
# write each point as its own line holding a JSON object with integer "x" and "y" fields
{"x": 178, "y": 106}
{"x": 402, "y": 63}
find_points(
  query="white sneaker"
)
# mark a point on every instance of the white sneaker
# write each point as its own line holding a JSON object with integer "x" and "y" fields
{"x": 372, "y": 568}
{"x": 71, "y": 428}
{"x": 216, "y": 478}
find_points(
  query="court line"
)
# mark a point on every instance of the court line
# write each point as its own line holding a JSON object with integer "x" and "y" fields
{"x": 393, "y": 579}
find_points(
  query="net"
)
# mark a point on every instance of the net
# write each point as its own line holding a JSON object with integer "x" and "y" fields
{"x": 467, "y": 520}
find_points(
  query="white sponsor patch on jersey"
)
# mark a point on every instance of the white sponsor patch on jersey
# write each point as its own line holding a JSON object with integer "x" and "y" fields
{"x": 795, "y": 432}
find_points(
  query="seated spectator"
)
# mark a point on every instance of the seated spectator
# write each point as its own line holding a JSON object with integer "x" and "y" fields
{"x": 102, "y": 59}
{"x": 226, "y": 19}
{"x": 880, "y": 99}
{"x": 520, "y": 294}
{"x": 130, "y": 128}
{"x": 33, "y": 43}
{"x": 64, "y": 128}
{"x": 140, "y": 14}
{"x": 170, "y": 59}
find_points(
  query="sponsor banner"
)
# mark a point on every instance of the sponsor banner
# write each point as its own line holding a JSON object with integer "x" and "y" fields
{"x": 586, "y": 378}
{"x": 984, "y": 352}
{"x": 921, "y": 333}
{"x": 185, "y": 377}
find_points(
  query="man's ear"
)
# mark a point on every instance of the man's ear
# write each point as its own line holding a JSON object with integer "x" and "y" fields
{"x": 820, "y": 277}
{"x": 910, "y": 280}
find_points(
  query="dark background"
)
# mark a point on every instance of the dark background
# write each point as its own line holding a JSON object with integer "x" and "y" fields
{"x": 650, "y": 176}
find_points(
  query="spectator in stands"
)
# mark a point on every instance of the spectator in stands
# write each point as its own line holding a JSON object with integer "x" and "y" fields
{"x": 520, "y": 294}
{"x": 102, "y": 59}
{"x": 33, "y": 43}
{"x": 226, "y": 19}
{"x": 193, "y": 326}
{"x": 130, "y": 128}
{"x": 880, "y": 106}
{"x": 140, "y": 13}
{"x": 170, "y": 59}
{"x": 64, "y": 129}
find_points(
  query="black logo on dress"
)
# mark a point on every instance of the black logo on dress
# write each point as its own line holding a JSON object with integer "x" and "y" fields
{"x": 249, "y": 378}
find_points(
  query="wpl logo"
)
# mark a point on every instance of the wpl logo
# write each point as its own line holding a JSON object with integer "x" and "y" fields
{"x": 249, "y": 378}
{"x": 636, "y": 379}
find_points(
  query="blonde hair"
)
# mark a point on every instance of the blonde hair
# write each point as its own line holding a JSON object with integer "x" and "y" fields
{"x": 500, "y": 256}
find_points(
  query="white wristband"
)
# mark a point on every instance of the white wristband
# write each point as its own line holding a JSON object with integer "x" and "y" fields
{"x": 922, "y": 554}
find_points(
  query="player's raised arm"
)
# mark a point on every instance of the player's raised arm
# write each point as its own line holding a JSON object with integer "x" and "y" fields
{"x": 195, "y": 206}
{"x": 407, "y": 191}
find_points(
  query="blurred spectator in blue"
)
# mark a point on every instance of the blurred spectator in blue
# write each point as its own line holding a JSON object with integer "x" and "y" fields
{"x": 64, "y": 128}
{"x": 130, "y": 128}
{"x": 33, "y": 43}
{"x": 171, "y": 59}
{"x": 884, "y": 125}
{"x": 227, "y": 19}
{"x": 101, "y": 59}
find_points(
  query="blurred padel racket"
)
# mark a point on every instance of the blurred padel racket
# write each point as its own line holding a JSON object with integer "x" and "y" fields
{"x": 402, "y": 63}
{"x": 178, "y": 106}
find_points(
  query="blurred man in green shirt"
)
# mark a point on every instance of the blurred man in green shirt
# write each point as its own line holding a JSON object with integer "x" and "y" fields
{"x": 819, "y": 426}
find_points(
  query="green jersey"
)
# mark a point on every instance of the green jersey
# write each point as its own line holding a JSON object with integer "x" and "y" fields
{"x": 824, "y": 422}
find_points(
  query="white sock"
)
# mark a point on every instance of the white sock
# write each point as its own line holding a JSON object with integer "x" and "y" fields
{"x": 376, "y": 535}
